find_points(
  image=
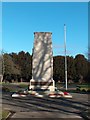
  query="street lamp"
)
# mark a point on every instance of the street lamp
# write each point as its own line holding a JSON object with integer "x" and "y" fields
{"x": 65, "y": 56}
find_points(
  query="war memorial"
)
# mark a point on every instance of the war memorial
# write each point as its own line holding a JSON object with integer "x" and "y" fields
{"x": 42, "y": 83}
{"x": 42, "y": 62}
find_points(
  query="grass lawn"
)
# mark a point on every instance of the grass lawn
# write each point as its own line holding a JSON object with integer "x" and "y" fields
{"x": 23, "y": 85}
{"x": 13, "y": 87}
{"x": 5, "y": 114}
{"x": 74, "y": 87}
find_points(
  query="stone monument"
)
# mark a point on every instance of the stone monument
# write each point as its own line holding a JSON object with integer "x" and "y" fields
{"x": 42, "y": 62}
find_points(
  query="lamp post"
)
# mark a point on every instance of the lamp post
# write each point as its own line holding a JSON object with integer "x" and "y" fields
{"x": 65, "y": 56}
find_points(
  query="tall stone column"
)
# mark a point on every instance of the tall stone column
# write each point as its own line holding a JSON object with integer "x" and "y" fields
{"x": 42, "y": 62}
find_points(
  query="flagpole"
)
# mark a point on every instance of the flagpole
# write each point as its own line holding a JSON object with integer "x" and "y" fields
{"x": 65, "y": 56}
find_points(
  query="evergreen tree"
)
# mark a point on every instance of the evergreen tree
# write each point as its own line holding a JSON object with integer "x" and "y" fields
{"x": 81, "y": 66}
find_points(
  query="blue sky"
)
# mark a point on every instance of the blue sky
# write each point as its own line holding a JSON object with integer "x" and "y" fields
{"x": 21, "y": 19}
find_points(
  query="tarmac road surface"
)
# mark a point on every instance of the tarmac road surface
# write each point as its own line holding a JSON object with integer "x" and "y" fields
{"x": 34, "y": 107}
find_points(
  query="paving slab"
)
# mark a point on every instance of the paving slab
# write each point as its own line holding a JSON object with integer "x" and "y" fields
{"x": 41, "y": 114}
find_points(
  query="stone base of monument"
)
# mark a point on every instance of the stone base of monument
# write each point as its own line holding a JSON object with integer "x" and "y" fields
{"x": 41, "y": 93}
{"x": 46, "y": 89}
{"x": 40, "y": 89}
{"x": 52, "y": 94}
{"x": 42, "y": 85}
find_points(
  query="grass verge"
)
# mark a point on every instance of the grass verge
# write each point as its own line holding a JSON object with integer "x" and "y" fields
{"x": 5, "y": 114}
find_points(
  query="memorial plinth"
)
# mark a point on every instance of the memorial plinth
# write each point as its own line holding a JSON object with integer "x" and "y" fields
{"x": 42, "y": 62}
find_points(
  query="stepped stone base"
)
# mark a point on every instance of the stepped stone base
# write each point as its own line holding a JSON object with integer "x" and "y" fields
{"x": 43, "y": 85}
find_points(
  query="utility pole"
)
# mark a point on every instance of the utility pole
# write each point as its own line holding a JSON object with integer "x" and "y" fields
{"x": 65, "y": 56}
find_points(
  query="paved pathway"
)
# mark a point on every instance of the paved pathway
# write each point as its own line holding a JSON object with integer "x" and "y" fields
{"x": 34, "y": 107}
{"x": 43, "y": 114}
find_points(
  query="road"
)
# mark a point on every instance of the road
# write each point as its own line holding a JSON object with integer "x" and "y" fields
{"x": 34, "y": 107}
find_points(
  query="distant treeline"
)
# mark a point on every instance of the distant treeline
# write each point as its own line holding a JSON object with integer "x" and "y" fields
{"x": 18, "y": 67}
